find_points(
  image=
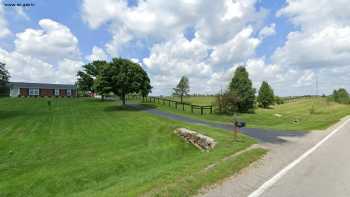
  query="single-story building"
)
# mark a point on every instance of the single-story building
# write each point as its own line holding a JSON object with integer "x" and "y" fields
{"x": 23, "y": 89}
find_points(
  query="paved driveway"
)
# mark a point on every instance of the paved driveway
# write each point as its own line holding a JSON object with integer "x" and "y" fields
{"x": 262, "y": 135}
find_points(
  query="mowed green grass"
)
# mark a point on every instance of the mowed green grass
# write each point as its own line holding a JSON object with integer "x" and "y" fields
{"x": 293, "y": 115}
{"x": 83, "y": 147}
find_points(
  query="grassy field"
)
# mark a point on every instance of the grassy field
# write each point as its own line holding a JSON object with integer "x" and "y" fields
{"x": 290, "y": 116}
{"x": 90, "y": 148}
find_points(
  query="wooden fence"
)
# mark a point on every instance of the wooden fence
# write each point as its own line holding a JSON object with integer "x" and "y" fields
{"x": 176, "y": 104}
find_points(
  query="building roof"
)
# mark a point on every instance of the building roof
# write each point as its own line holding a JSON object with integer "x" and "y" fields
{"x": 41, "y": 85}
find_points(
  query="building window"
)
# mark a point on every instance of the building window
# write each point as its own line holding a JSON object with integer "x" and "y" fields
{"x": 57, "y": 92}
{"x": 34, "y": 92}
{"x": 69, "y": 92}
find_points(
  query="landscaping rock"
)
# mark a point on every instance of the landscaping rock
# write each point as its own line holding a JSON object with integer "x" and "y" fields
{"x": 200, "y": 141}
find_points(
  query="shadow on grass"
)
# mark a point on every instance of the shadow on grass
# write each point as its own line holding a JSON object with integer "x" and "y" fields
{"x": 9, "y": 114}
{"x": 94, "y": 100}
{"x": 129, "y": 107}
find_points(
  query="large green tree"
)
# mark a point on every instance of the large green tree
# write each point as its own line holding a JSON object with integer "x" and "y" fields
{"x": 341, "y": 96}
{"x": 241, "y": 86}
{"x": 124, "y": 77}
{"x": 4, "y": 77}
{"x": 182, "y": 88}
{"x": 266, "y": 95}
{"x": 89, "y": 79}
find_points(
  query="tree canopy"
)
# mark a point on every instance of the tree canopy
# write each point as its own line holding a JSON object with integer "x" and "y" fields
{"x": 266, "y": 95}
{"x": 123, "y": 77}
{"x": 182, "y": 88}
{"x": 89, "y": 77}
{"x": 4, "y": 77}
{"x": 241, "y": 86}
{"x": 341, "y": 96}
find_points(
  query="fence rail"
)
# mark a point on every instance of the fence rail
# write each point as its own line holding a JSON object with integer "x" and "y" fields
{"x": 176, "y": 104}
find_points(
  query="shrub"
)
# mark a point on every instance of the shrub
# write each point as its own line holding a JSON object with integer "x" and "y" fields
{"x": 227, "y": 103}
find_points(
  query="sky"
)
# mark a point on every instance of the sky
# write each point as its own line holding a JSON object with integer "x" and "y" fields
{"x": 291, "y": 44}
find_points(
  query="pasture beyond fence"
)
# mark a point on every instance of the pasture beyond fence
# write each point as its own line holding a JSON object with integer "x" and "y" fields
{"x": 176, "y": 104}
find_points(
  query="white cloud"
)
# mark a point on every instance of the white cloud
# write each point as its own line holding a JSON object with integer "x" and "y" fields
{"x": 238, "y": 49}
{"x": 48, "y": 55}
{"x": 67, "y": 70}
{"x": 226, "y": 34}
{"x": 97, "y": 54}
{"x": 319, "y": 47}
{"x": 223, "y": 34}
{"x": 170, "y": 60}
{"x": 181, "y": 56}
{"x": 147, "y": 18}
{"x": 4, "y": 31}
{"x": 327, "y": 47}
{"x": 267, "y": 31}
{"x": 215, "y": 22}
{"x": 221, "y": 20}
{"x": 96, "y": 13}
{"x": 52, "y": 42}
{"x": 314, "y": 14}
{"x": 119, "y": 39}
{"x": 26, "y": 68}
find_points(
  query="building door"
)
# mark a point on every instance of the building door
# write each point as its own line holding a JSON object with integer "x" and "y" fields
{"x": 24, "y": 91}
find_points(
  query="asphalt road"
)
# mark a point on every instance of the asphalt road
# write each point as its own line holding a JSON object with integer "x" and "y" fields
{"x": 325, "y": 172}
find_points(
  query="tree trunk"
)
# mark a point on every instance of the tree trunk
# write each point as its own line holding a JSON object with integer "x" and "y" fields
{"x": 181, "y": 98}
{"x": 123, "y": 99}
{"x": 102, "y": 97}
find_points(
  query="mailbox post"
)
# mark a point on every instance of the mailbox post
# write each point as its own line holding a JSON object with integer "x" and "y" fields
{"x": 237, "y": 126}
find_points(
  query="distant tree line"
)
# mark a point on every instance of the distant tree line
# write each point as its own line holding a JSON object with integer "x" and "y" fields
{"x": 120, "y": 77}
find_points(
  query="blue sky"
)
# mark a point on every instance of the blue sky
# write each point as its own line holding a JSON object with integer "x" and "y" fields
{"x": 205, "y": 40}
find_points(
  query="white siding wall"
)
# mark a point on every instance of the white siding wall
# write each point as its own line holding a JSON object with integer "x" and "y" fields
{"x": 14, "y": 92}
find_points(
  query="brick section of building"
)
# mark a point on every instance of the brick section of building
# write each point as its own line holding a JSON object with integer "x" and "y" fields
{"x": 21, "y": 89}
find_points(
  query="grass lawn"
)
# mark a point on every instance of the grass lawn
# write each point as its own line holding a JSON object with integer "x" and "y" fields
{"x": 83, "y": 147}
{"x": 294, "y": 115}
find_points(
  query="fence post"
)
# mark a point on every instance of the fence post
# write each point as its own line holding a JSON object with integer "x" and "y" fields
{"x": 211, "y": 109}
{"x": 201, "y": 110}
{"x": 192, "y": 108}
{"x": 169, "y": 102}
{"x": 175, "y": 105}
{"x": 183, "y": 107}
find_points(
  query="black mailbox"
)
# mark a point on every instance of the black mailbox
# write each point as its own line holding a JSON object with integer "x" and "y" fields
{"x": 239, "y": 124}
